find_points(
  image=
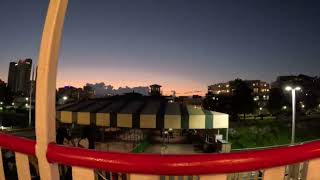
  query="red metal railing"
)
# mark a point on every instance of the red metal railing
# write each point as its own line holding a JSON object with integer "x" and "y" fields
{"x": 167, "y": 164}
{"x": 17, "y": 144}
{"x": 183, "y": 164}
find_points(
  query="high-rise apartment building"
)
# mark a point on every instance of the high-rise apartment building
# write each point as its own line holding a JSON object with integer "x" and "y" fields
{"x": 258, "y": 87}
{"x": 19, "y": 76}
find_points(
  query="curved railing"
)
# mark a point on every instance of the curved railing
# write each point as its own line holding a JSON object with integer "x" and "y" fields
{"x": 176, "y": 165}
{"x": 17, "y": 144}
{"x": 180, "y": 165}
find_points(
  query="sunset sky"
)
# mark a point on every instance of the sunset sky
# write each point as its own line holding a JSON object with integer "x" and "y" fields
{"x": 184, "y": 45}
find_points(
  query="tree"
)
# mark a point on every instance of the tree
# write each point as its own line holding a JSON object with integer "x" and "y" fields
{"x": 6, "y": 95}
{"x": 208, "y": 102}
{"x": 276, "y": 100}
{"x": 3, "y": 90}
{"x": 219, "y": 103}
{"x": 311, "y": 100}
{"x": 242, "y": 99}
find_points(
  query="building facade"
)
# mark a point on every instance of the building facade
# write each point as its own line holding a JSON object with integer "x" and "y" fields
{"x": 155, "y": 90}
{"x": 88, "y": 92}
{"x": 259, "y": 88}
{"x": 69, "y": 93}
{"x": 19, "y": 76}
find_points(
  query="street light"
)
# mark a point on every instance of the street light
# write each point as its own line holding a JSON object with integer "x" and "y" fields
{"x": 293, "y": 92}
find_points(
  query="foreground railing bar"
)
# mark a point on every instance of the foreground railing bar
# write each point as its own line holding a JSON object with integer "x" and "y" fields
{"x": 313, "y": 169}
{"x": 179, "y": 165}
{"x": 23, "y": 168}
{"x": 17, "y": 144}
{"x": 2, "y": 176}
{"x": 214, "y": 177}
{"x": 79, "y": 173}
{"x": 275, "y": 173}
{"x": 143, "y": 177}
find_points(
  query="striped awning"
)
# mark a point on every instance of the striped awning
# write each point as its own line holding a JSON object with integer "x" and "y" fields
{"x": 142, "y": 112}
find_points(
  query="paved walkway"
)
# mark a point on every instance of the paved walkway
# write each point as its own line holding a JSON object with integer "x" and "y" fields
{"x": 171, "y": 149}
{"x": 114, "y": 146}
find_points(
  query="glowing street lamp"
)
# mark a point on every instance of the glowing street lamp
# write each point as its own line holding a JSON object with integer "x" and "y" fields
{"x": 64, "y": 98}
{"x": 293, "y": 93}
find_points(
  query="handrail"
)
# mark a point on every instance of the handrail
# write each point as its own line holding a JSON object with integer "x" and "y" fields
{"x": 183, "y": 164}
{"x": 17, "y": 144}
{"x": 167, "y": 164}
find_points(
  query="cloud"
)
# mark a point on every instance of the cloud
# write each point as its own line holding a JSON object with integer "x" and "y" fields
{"x": 101, "y": 89}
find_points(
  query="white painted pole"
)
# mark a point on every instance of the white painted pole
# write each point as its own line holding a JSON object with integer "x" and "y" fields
{"x": 293, "y": 115}
{"x": 227, "y": 134}
{"x": 30, "y": 97}
{"x": 46, "y": 86}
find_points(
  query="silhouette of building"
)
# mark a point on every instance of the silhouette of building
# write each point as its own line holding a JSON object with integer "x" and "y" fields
{"x": 310, "y": 86}
{"x": 19, "y": 76}
{"x": 69, "y": 93}
{"x": 155, "y": 90}
{"x": 259, "y": 88}
{"x": 88, "y": 92}
{"x": 305, "y": 81}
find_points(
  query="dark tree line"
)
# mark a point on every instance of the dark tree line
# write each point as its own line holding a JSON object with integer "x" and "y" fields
{"x": 241, "y": 101}
{"x": 6, "y": 96}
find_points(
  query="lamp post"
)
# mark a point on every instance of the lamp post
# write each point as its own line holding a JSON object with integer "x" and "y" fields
{"x": 64, "y": 98}
{"x": 293, "y": 93}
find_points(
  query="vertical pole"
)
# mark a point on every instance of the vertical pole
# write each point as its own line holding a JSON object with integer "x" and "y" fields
{"x": 227, "y": 134}
{"x": 46, "y": 86}
{"x": 293, "y": 115}
{"x": 30, "y": 98}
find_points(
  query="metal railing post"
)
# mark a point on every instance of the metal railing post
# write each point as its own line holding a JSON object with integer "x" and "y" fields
{"x": 46, "y": 86}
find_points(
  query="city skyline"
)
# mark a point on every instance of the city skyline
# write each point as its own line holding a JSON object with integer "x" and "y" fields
{"x": 181, "y": 46}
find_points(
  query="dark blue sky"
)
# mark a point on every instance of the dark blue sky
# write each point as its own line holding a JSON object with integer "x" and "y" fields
{"x": 184, "y": 45}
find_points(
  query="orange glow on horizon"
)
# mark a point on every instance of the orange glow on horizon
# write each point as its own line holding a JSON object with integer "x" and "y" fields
{"x": 166, "y": 89}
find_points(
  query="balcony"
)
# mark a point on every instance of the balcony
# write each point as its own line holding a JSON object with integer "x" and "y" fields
{"x": 272, "y": 163}
{"x": 294, "y": 162}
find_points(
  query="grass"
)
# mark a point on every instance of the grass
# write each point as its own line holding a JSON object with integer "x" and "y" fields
{"x": 252, "y": 133}
{"x": 141, "y": 147}
{"x": 13, "y": 119}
